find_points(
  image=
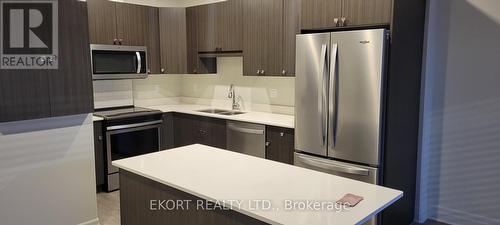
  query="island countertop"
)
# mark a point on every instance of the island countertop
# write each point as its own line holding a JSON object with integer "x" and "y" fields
{"x": 224, "y": 176}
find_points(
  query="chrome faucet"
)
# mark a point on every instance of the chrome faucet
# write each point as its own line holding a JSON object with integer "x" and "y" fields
{"x": 235, "y": 105}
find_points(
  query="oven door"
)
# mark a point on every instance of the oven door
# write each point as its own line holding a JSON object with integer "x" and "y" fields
{"x": 118, "y": 62}
{"x": 130, "y": 140}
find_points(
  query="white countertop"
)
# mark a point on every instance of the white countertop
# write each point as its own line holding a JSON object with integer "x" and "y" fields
{"x": 96, "y": 118}
{"x": 272, "y": 119}
{"x": 220, "y": 175}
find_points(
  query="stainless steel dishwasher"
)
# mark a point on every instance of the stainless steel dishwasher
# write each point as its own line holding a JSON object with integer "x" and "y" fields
{"x": 246, "y": 138}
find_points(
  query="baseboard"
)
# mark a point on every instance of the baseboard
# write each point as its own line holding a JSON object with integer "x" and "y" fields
{"x": 454, "y": 216}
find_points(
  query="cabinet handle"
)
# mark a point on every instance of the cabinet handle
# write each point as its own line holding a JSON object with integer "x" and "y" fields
{"x": 283, "y": 72}
{"x": 262, "y": 72}
{"x": 282, "y": 134}
{"x": 268, "y": 143}
{"x": 120, "y": 41}
{"x": 149, "y": 71}
{"x": 343, "y": 21}
{"x": 114, "y": 41}
{"x": 99, "y": 137}
{"x": 336, "y": 21}
{"x": 258, "y": 72}
{"x": 162, "y": 70}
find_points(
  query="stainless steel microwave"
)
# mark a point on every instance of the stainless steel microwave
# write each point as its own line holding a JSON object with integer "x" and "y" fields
{"x": 118, "y": 62}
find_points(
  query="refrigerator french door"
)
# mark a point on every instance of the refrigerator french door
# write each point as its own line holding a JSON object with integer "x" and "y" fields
{"x": 339, "y": 102}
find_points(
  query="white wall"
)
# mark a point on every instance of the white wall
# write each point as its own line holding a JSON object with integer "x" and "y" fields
{"x": 47, "y": 172}
{"x": 460, "y": 182}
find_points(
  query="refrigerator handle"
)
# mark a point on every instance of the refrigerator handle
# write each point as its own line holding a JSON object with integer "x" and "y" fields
{"x": 332, "y": 167}
{"x": 334, "y": 96}
{"x": 322, "y": 92}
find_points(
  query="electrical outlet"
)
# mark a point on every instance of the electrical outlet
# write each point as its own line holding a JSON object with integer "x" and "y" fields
{"x": 273, "y": 93}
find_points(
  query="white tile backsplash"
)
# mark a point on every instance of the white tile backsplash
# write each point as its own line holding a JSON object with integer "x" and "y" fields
{"x": 113, "y": 93}
{"x": 268, "y": 94}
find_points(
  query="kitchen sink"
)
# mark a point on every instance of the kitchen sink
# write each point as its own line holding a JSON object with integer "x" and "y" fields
{"x": 230, "y": 113}
{"x": 222, "y": 112}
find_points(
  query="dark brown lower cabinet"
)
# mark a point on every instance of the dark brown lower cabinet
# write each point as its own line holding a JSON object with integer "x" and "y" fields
{"x": 191, "y": 129}
{"x": 99, "y": 153}
{"x": 280, "y": 144}
{"x": 167, "y": 132}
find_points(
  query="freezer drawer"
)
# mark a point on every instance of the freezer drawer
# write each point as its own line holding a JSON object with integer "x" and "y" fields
{"x": 246, "y": 138}
{"x": 352, "y": 171}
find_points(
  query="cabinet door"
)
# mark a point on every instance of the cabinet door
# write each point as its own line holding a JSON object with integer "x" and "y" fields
{"x": 131, "y": 24}
{"x": 365, "y": 12}
{"x": 167, "y": 131}
{"x": 102, "y": 21}
{"x": 152, "y": 38}
{"x": 99, "y": 153}
{"x": 229, "y": 27}
{"x": 272, "y": 37}
{"x": 184, "y": 130}
{"x": 280, "y": 144}
{"x": 320, "y": 13}
{"x": 291, "y": 27}
{"x": 252, "y": 37}
{"x": 173, "y": 40}
{"x": 207, "y": 34}
{"x": 192, "y": 40}
{"x": 71, "y": 85}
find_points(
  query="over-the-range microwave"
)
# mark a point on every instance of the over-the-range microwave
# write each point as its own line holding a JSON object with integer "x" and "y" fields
{"x": 118, "y": 62}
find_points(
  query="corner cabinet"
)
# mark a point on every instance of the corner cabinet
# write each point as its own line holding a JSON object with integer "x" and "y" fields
{"x": 269, "y": 29}
{"x": 280, "y": 144}
{"x": 317, "y": 14}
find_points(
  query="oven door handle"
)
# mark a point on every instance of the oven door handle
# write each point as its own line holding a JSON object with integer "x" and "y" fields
{"x": 119, "y": 127}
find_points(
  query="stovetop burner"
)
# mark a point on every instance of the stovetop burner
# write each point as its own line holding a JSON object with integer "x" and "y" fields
{"x": 126, "y": 112}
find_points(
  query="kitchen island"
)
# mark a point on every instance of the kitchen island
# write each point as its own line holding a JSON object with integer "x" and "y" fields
{"x": 198, "y": 184}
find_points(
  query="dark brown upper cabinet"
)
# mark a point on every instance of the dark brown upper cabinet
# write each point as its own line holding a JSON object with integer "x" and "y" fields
{"x": 102, "y": 22}
{"x": 269, "y": 33}
{"x": 116, "y": 23}
{"x": 152, "y": 37}
{"x": 320, "y": 13}
{"x": 173, "y": 40}
{"x": 366, "y": 12}
{"x": 291, "y": 27}
{"x": 192, "y": 40}
{"x": 125, "y": 24}
{"x": 317, "y": 14}
{"x": 131, "y": 24}
{"x": 219, "y": 26}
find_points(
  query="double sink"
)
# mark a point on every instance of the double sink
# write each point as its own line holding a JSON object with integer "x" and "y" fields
{"x": 222, "y": 112}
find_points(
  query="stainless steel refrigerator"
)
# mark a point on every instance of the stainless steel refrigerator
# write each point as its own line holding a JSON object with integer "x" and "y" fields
{"x": 339, "y": 102}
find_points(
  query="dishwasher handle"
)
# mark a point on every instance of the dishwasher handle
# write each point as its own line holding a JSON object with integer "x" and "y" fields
{"x": 244, "y": 130}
